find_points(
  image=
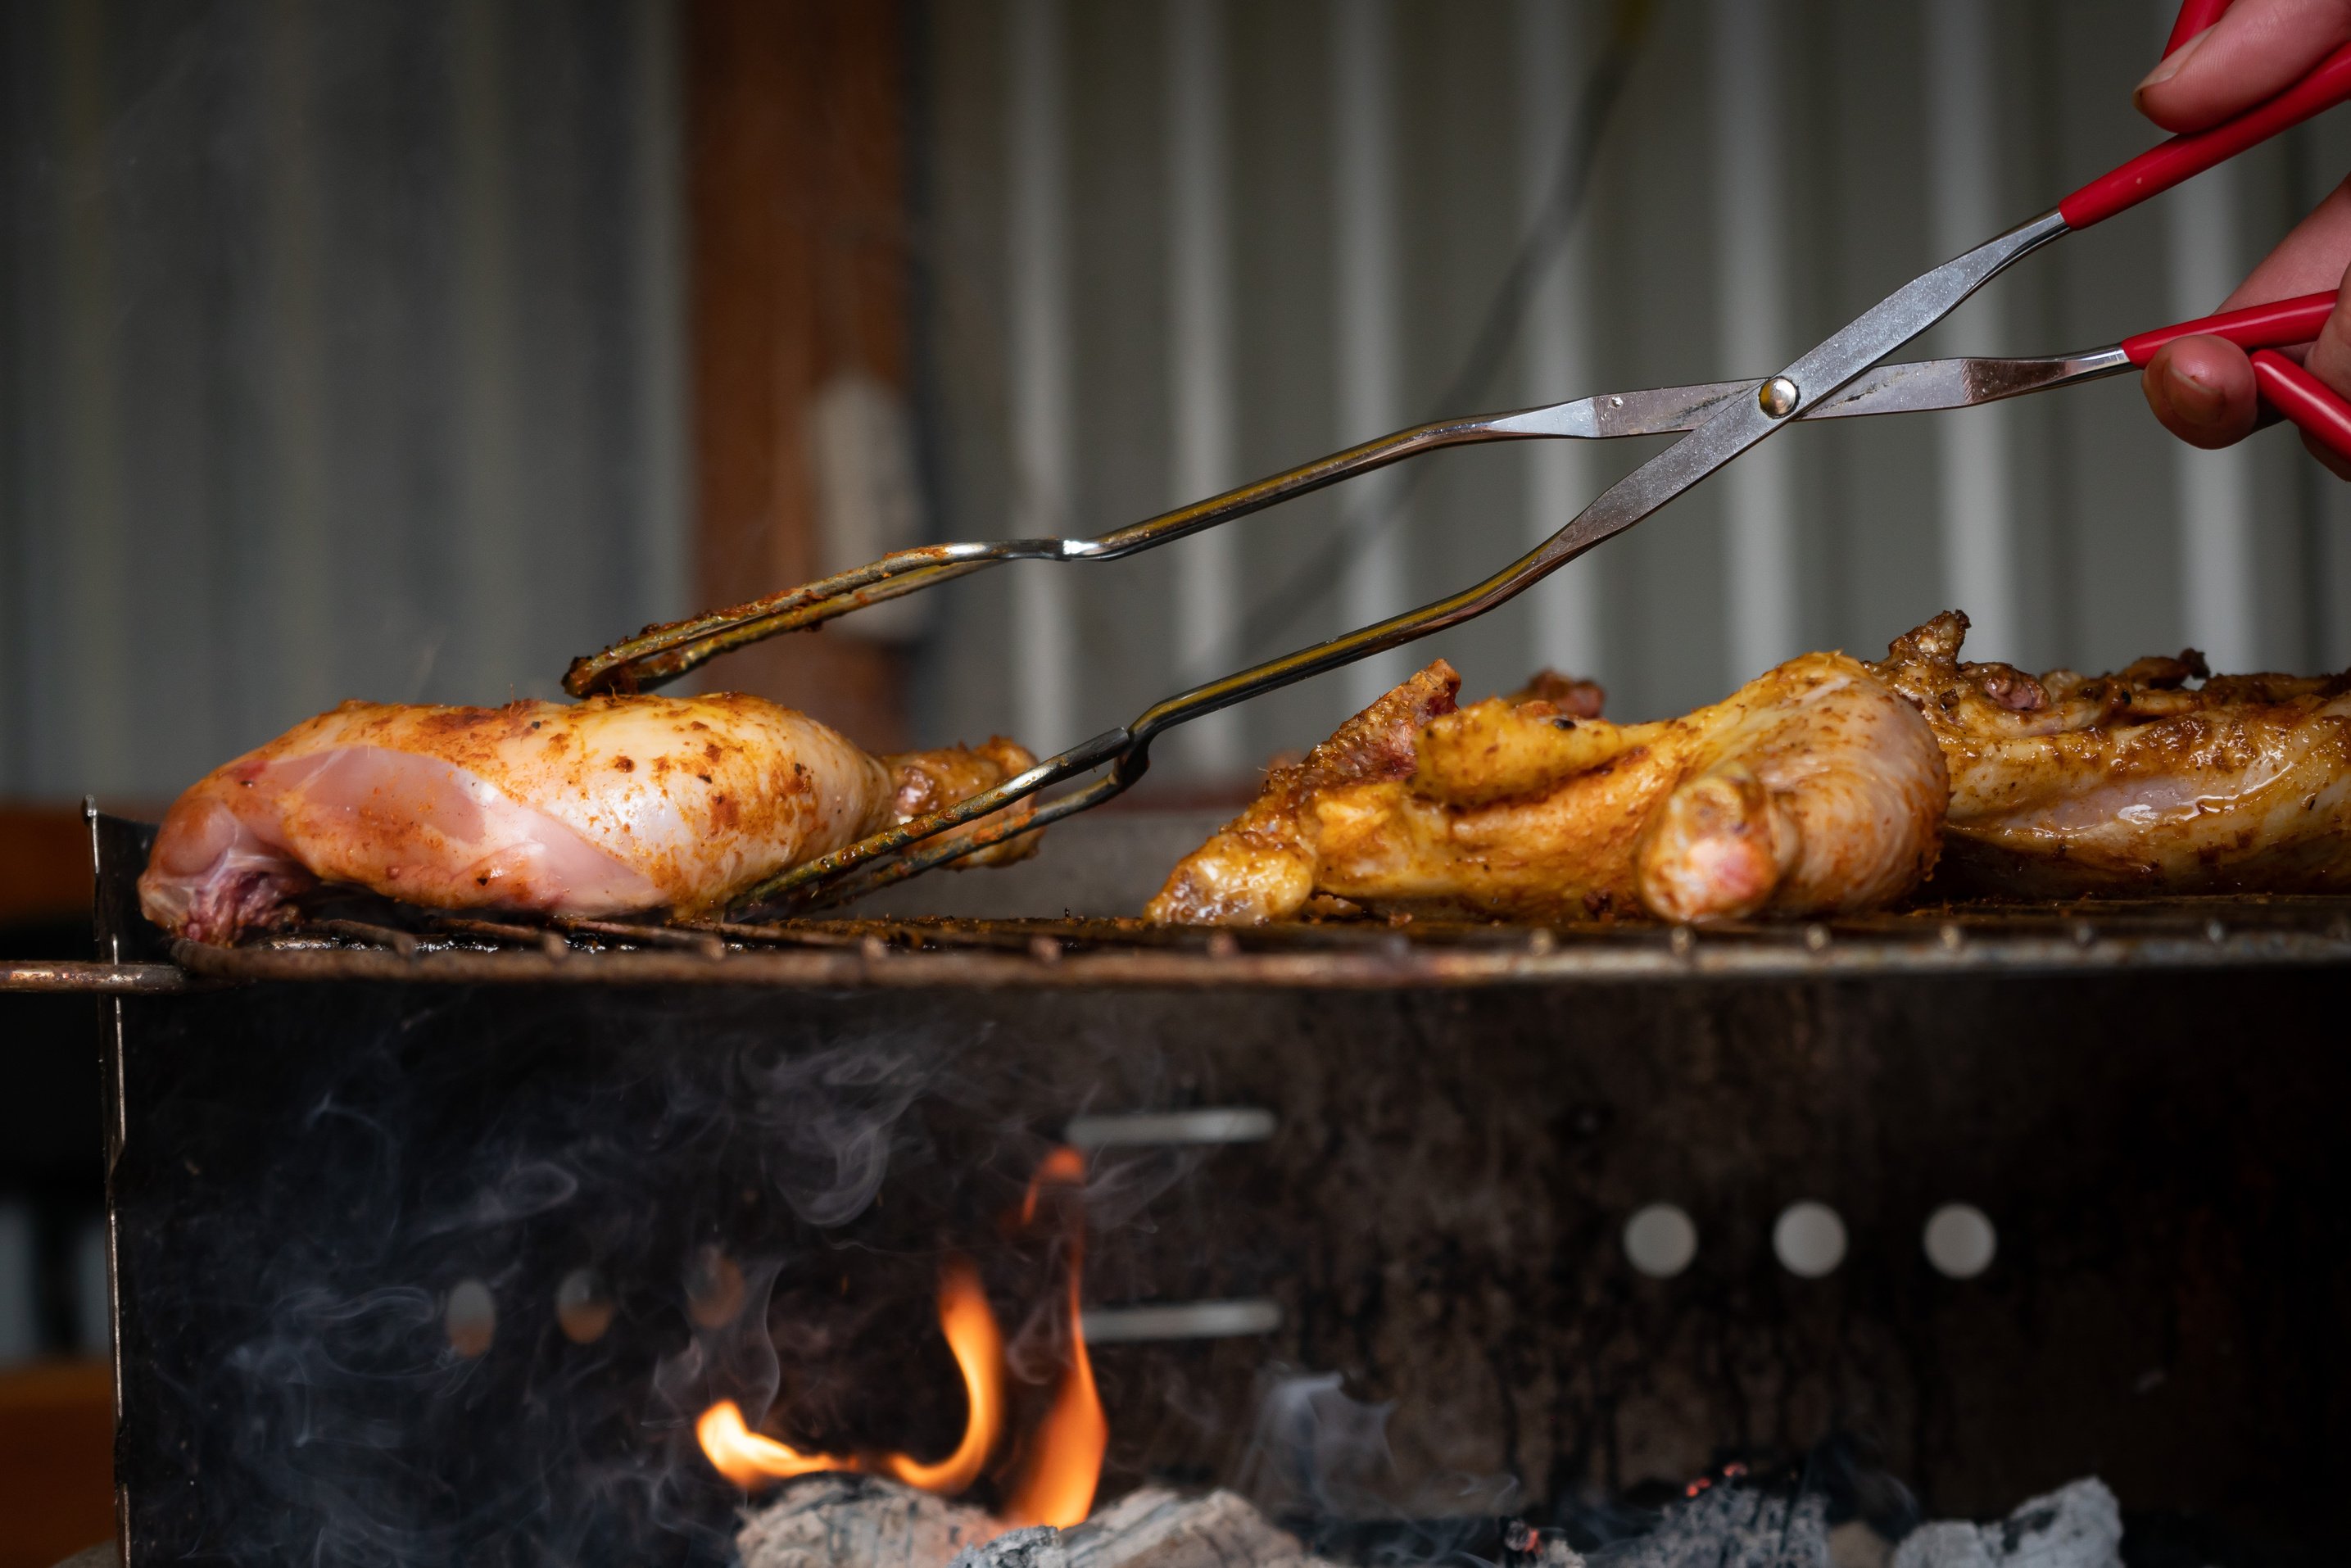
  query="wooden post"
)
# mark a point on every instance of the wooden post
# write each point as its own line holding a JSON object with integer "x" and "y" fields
{"x": 798, "y": 232}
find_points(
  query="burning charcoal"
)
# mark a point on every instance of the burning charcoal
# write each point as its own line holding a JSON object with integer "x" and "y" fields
{"x": 1036, "y": 1546}
{"x": 1524, "y": 1546}
{"x": 1157, "y": 1528}
{"x": 855, "y": 1522}
{"x": 2077, "y": 1526}
{"x": 852, "y": 1521}
{"x": 1730, "y": 1526}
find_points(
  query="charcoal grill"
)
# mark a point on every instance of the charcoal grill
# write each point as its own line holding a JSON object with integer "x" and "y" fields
{"x": 315, "y": 1140}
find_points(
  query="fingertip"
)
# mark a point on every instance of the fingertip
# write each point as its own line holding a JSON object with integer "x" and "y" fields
{"x": 2150, "y": 96}
{"x": 2201, "y": 390}
{"x": 2154, "y": 103}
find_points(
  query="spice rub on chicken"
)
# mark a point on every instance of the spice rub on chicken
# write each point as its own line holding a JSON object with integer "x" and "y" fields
{"x": 613, "y": 805}
{"x": 2135, "y": 782}
{"x": 1813, "y": 789}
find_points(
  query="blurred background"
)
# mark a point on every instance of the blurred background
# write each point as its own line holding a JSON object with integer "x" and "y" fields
{"x": 406, "y": 348}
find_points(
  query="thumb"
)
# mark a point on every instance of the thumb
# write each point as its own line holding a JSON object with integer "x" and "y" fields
{"x": 2254, "y": 52}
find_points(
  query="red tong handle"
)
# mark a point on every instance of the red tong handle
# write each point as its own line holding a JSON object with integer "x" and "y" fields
{"x": 2195, "y": 15}
{"x": 2270, "y": 326}
{"x": 2285, "y": 386}
{"x": 2306, "y": 400}
{"x": 2182, "y": 158}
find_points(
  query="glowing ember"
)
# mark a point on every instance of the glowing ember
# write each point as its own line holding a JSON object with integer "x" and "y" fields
{"x": 1056, "y": 1486}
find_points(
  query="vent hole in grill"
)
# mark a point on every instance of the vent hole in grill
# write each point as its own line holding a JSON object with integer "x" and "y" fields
{"x": 1660, "y": 1240}
{"x": 1960, "y": 1240}
{"x": 470, "y": 1318}
{"x": 1809, "y": 1240}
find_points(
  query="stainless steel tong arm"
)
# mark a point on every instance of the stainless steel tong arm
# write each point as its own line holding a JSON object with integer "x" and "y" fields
{"x": 1734, "y": 424}
{"x": 660, "y": 654}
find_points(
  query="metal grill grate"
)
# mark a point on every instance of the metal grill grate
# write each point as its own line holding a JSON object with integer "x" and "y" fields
{"x": 2187, "y": 932}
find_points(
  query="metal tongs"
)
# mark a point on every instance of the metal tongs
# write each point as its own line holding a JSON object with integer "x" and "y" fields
{"x": 1834, "y": 381}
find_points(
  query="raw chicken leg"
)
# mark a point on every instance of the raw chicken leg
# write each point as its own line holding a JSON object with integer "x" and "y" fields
{"x": 604, "y": 806}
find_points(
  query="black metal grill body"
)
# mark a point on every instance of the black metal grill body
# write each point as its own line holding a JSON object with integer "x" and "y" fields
{"x": 304, "y": 1172}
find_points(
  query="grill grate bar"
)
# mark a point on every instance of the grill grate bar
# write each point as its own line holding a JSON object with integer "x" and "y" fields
{"x": 2202, "y": 933}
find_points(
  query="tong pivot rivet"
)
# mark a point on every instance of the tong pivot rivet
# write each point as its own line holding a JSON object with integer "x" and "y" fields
{"x": 1778, "y": 397}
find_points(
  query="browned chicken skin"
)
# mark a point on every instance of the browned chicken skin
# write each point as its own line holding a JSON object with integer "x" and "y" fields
{"x": 1813, "y": 789}
{"x": 2064, "y": 785}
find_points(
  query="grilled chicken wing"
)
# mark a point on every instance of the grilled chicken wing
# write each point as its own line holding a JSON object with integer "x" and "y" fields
{"x": 2064, "y": 784}
{"x": 603, "y": 807}
{"x": 1813, "y": 789}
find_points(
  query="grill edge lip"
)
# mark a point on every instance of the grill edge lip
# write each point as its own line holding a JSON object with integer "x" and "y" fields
{"x": 92, "y": 978}
{"x": 2213, "y": 933}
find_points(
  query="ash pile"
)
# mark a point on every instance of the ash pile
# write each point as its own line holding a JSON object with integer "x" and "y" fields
{"x": 853, "y": 1522}
{"x": 848, "y": 1522}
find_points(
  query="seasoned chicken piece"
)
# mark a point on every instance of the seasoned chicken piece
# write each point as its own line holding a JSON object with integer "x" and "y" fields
{"x": 2134, "y": 782}
{"x": 603, "y": 807}
{"x": 1815, "y": 789}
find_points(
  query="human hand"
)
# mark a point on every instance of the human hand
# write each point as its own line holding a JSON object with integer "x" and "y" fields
{"x": 2202, "y": 388}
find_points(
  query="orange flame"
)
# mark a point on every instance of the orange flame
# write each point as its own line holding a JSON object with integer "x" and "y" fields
{"x": 1058, "y": 1487}
{"x": 751, "y": 1460}
{"x": 970, "y": 1326}
{"x": 1063, "y": 1168}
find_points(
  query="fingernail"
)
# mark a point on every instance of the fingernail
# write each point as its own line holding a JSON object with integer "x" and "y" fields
{"x": 2192, "y": 397}
{"x": 2170, "y": 65}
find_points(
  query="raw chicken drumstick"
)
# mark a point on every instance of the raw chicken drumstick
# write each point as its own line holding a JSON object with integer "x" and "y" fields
{"x": 604, "y": 806}
{"x": 2134, "y": 782}
{"x": 1812, "y": 789}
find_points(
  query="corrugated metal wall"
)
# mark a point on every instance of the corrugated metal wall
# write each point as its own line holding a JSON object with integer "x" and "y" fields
{"x": 339, "y": 354}
{"x": 339, "y": 358}
{"x": 1773, "y": 168}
